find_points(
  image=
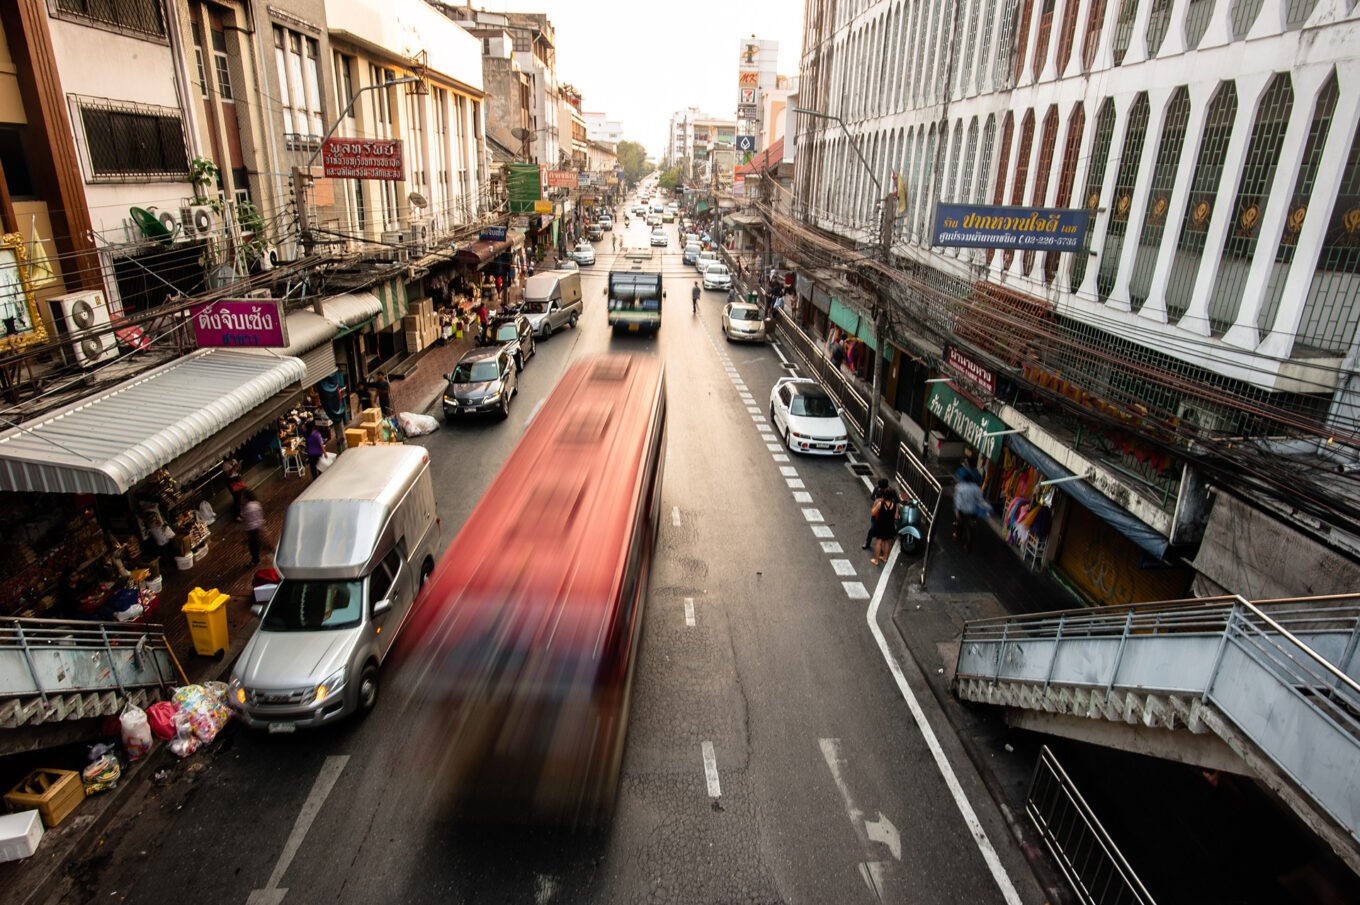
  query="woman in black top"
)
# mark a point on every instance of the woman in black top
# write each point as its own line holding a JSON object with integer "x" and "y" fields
{"x": 884, "y": 515}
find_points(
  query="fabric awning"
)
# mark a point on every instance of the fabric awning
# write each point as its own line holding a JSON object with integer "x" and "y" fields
{"x": 392, "y": 296}
{"x": 482, "y": 252}
{"x": 351, "y": 308}
{"x": 515, "y": 236}
{"x": 743, "y": 219}
{"x": 114, "y": 438}
{"x": 1132, "y": 527}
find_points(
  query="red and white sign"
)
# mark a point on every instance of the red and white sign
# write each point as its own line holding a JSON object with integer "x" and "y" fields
{"x": 748, "y": 97}
{"x": 970, "y": 369}
{"x": 362, "y": 158}
{"x": 559, "y": 179}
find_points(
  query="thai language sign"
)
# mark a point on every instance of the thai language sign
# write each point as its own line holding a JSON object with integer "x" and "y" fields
{"x": 559, "y": 179}
{"x": 970, "y": 369}
{"x": 971, "y": 423}
{"x": 240, "y": 323}
{"x": 362, "y": 158}
{"x": 1024, "y": 228}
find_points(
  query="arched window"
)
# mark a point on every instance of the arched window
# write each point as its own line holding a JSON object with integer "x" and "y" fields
{"x": 1090, "y": 43}
{"x": 944, "y": 80}
{"x": 1253, "y": 193}
{"x": 988, "y": 9}
{"x": 908, "y": 172}
{"x": 1242, "y": 16}
{"x": 1159, "y": 198}
{"x": 1046, "y": 9}
{"x": 1021, "y": 44}
{"x": 930, "y": 78}
{"x": 918, "y": 181}
{"x": 1095, "y": 178}
{"x": 1296, "y": 12}
{"x": 903, "y": 49}
{"x": 929, "y": 185}
{"x": 984, "y": 169}
{"x": 922, "y": 36}
{"x": 1331, "y": 310}
{"x": 1197, "y": 17}
{"x": 1159, "y": 21}
{"x": 1066, "y": 32}
{"x": 1003, "y": 166}
{"x": 1122, "y": 204}
{"x": 955, "y": 150}
{"x": 1071, "y": 149}
{"x": 969, "y": 162}
{"x": 1298, "y": 202}
{"x": 884, "y": 46}
{"x": 1004, "y": 76}
{"x": 1022, "y": 155}
{"x": 1199, "y": 207}
{"x": 1123, "y": 29}
{"x": 1048, "y": 138}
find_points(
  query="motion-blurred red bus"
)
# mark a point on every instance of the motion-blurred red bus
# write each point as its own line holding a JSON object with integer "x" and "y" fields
{"x": 518, "y": 665}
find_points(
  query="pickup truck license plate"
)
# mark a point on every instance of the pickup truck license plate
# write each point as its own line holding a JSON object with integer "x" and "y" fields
{"x": 281, "y": 728}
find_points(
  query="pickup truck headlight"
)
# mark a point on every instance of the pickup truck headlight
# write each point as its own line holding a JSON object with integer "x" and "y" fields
{"x": 330, "y": 688}
{"x": 236, "y": 692}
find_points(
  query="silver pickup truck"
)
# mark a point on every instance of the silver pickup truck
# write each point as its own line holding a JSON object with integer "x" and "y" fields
{"x": 552, "y": 300}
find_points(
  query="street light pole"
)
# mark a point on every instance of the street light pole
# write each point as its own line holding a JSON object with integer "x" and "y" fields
{"x": 885, "y": 228}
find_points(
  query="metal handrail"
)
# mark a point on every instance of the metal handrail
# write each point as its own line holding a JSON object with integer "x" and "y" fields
{"x": 1327, "y": 665}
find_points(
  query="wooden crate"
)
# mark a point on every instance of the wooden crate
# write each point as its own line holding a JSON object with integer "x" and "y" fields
{"x": 54, "y": 793}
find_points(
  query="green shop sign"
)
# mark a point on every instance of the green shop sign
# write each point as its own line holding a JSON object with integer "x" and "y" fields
{"x": 967, "y": 420}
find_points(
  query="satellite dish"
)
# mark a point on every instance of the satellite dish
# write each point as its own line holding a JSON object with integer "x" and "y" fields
{"x": 520, "y": 132}
{"x": 417, "y": 200}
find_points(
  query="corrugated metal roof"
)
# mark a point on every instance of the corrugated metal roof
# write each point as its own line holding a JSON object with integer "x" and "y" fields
{"x": 108, "y": 442}
{"x": 350, "y": 308}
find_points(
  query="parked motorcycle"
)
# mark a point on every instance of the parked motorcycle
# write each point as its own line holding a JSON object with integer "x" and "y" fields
{"x": 909, "y": 526}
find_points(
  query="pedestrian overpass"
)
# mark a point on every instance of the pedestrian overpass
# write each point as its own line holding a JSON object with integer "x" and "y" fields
{"x": 1266, "y": 688}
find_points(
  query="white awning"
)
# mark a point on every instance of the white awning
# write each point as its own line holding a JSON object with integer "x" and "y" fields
{"x": 350, "y": 308}
{"x": 306, "y": 331}
{"x": 107, "y": 442}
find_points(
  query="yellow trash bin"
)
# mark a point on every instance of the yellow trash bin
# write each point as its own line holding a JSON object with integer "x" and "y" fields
{"x": 207, "y": 615}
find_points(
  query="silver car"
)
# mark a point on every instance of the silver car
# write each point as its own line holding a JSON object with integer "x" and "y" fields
{"x": 741, "y": 322}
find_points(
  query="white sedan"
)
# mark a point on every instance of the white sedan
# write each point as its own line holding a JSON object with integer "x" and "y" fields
{"x": 717, "y": 276}
{"x": 583, "y": 253}
{"x": 807, "y": 418}
{"x": 659, "y": 238}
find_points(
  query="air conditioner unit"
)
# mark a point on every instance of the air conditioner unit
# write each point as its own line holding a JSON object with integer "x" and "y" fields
{"x": 205, "y": 222}
{"x": 393, "y": 245}
{"x": 76, "y": 316}
{"x": 418, "y": 237}
{"x": 171, "y": 221}
{"x": 260, "y": 294}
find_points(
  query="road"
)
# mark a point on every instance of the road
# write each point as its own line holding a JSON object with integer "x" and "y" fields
{"x": 771, "y": 755}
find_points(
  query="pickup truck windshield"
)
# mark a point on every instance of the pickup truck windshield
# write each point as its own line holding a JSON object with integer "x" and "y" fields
{"x": 305, "y": 606}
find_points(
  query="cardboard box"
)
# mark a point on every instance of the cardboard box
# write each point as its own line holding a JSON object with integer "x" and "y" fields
{"x": 55, "y": 794}
{"x": 354, "y": 436}
{"x": 370, "y": 414}
{"x": 372, "y": 430}
{"x": 19, "y": 835}
{"x": 412, "y": 322}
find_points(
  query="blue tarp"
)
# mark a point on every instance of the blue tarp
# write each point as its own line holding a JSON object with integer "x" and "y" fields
{"x": 1135, "y": 529}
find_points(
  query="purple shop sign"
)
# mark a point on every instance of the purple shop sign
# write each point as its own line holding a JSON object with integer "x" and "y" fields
{"x": 240, "y": 323}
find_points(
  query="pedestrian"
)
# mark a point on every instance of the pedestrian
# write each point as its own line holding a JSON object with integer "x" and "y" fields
{"x": 779, "y": 302}
{"x": 880, "y": 490}
{"x": 483, "y": 319}
{"x": 884, "y": 514}
{"x": 379, "y": 383}
{"x": 837, "y": 354}
{"x": 315, "y": 448}
{"x": 252, "y": 521}
{"x": 969, "y": 504}
{"x": 231, "y": 473}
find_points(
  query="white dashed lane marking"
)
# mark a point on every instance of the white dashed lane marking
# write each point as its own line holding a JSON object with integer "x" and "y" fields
{"x": 831, "y": 546}
{"x": 822, "y": 531}
{"x": 794, "y": 483}
{"x": 802, "y": 496}
{"x": 843, "y": 566}
{"x": 813, "y": 515}
{"x": 711, "y": 771}
{"x": 855, "y": 590}
{"x": 689, "y": 612}
{"x": 789, "y": 471}
{"x": 675, "y": 516}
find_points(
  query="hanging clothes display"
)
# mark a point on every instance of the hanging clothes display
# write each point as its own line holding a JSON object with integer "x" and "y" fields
{"x": 1027, "y": 508}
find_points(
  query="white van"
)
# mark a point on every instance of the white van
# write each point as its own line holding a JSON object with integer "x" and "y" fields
{"x": 355, "y": 548}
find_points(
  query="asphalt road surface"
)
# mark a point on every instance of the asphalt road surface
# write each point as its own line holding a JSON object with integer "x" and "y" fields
{"x": 771, "y": 755}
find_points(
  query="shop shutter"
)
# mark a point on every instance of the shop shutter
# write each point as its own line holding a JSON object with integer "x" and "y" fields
{"x": 1109, "y": 569}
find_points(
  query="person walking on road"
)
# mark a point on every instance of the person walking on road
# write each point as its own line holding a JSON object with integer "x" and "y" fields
{"x": 884, "y": 514}
{"x": 694, "y": 297}
{"x": 252, "y": 521}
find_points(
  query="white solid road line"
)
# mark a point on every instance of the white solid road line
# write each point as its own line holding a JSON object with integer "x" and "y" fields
{"x": 984, "y": 844}
{"x": 780, "y": 352}
{"x": 711, "y": 771}
{"x": 689, "y": 612}
{"x": 321, "y": 789}
{"x": 675, "y": 516}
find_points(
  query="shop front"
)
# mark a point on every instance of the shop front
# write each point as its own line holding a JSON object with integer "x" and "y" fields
{"x": 102, "y": 495}
{"x": 351, "y": 314}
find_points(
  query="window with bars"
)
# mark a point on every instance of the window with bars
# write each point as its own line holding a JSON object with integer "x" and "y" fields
{"x": 1095, "y": 178}
{"x": 1022, "y": 163}
{"x": 922, "y": 38}
{"x": 1123, "y": 30}
{"x": 1253, "y": 193}
{"x": 1003, "y": 166}
{"x": 1332, "y": 307}
{"x": 931, "y": 76}
{"x": 1122, "y": 204}
{"x": 1199, "y": 206}
{"x": 1159, "y": 22}
{"x": 969, "y": 162}
{"x": 984, "y": 169}
{"x": 984, "y": 48}
{"x": 1301, "y": 197}
{"x": 1242, "y": 16}
{"x": 1296, "y": 12}
{"x": 970, "y": 40}
{"x": 919, "y": 182}
{"x": 903, "y": 55}
{"x": 1067, "y": 31}
{"x": 1159, "y": 197}
{"x": 1048, "y": 138}
{"x": 1197, "y": 17}
{"x": 144, "y": 17}
{"x": 955, "y": 148}
{"x": 1090, "y": 42}
{"x": 929, "y": 181}
{"x": 1076, "y": 123}
{"x": 1046, "y": 10}
{"x": 1004, "y": 68}
{"x": 132, "y": 141}
{"x": 948, "y": 54}
{"x": 909, "y": 175}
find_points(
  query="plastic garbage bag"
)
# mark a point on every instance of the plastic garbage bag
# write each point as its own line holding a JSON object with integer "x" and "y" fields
{"x": 205, "y": 709}
{"x": 102, "y": 774}
{"x": 326, "y": 461}
{"x": 206, "y": 513}
{"x": 161, "y": 715}
{"x": 415, "y": 425}
{"x": 185, "y": 742}
{"x": 136, "y": 732}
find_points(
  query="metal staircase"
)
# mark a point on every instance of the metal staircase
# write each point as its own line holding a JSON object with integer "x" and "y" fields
{"x": 1275, "y": 681}
{"x": 53, "y": 671}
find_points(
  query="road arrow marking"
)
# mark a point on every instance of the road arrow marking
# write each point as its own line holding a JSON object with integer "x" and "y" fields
{"x": 321, "y": 789}
{"x": 882, "y": 830}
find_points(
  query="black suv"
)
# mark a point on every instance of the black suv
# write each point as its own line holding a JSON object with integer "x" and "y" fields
{"x": 514, "y": 334}
{"x": 484, "y": 380}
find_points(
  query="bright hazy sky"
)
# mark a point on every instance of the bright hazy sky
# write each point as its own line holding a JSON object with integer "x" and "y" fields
{"x": 641, "y": 61}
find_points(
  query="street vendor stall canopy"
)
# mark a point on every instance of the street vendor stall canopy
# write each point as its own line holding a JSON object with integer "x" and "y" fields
{"x": 350, "y": 309}
{"x": 109, "y": 441}
{"x": 481, "y": 253}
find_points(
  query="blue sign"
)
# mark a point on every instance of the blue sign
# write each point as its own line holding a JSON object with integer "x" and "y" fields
{"x": 746, "y": 142}
{"x": 492, "y": 234}
{"x": 1023, "y": 228}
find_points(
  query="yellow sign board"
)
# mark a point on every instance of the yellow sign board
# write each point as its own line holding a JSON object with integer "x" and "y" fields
{"x": 543, "y": 207}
